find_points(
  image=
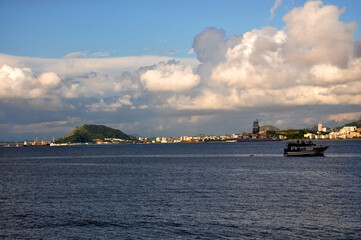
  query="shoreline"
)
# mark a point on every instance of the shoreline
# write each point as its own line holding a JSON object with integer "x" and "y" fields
{"x": 13, "y": 144}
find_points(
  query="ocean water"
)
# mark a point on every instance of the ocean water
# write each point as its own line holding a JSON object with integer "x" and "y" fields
{"x": 180, "y": 191}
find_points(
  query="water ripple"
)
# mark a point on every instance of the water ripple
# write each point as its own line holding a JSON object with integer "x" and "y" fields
{"x": 225, "y": 191}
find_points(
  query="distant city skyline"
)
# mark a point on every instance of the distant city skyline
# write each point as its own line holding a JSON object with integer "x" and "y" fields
{"x": 173, "y": 68}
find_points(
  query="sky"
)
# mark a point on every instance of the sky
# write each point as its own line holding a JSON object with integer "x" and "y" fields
{"x": 177, "y": 68}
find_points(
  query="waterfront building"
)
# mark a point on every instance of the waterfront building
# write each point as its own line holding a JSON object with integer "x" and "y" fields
{"x": 309, "y": 135}
{"x": 348, "y": 129}
{"x": 354, "y": 134}
{"x": 333, "y": 135}
{"x": 174, "y": 140}
{"x": 185, "y": 139}
{"x": 223, "y": 137}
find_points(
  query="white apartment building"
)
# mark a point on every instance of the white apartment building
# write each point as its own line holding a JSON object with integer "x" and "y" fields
{"x": 344, "y": 133}
{"x": 348, "y": 129}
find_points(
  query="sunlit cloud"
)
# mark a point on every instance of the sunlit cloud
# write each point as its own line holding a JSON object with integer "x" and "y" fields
{"x": 23, "y": 83}
{"x": 170, "y": 76}
{"x": 270, "y": 67}
{"x": 345, "y": 116}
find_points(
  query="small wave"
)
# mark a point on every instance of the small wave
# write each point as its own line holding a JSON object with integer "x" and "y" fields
{"x": 85, "y": 223}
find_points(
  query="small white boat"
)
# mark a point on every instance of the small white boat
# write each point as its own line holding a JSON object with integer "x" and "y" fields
{"x": 303, "y": 148}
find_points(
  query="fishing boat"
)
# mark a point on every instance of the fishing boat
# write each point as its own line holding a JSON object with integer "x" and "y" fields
{"x": 304, "y": 148}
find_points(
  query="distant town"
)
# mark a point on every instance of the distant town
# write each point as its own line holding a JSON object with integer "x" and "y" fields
{"x": 99, "y": 134}
{"x": 322, "y": 133}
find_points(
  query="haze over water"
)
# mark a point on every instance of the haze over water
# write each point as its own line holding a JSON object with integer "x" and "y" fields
{"x": 168, "y": 191}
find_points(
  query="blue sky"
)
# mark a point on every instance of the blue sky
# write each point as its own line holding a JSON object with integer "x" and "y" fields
{"x": 52, "y": 29}
{"x": 172, "y": 68}
{"x": 122, "y": 28}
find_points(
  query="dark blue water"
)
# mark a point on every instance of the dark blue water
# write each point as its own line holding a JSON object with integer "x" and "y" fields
{"x": 180, "y": 191}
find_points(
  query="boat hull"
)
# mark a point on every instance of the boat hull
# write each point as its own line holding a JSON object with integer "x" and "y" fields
{"x": 319, "y": 151}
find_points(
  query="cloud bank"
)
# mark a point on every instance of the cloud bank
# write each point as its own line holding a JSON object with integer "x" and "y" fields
{"x": 312, "y": 61}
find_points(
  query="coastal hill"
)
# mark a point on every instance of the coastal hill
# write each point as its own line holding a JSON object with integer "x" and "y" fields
{"x": 312, "y": 127}
{"x": 355, "y": 123}
{"x": 88, "y": 133}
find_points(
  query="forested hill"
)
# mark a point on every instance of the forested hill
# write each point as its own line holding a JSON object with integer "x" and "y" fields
{"x": 87, "y": 133}
{"x": 355, "y": 123}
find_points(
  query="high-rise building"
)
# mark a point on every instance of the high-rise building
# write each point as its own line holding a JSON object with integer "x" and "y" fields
{"x": 255, "y": 128}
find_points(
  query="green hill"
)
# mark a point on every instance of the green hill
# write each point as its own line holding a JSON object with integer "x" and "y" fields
{"x": 355, "y": 123}
{"x": 87, "y": 133}
{"x": 312, "y": 127}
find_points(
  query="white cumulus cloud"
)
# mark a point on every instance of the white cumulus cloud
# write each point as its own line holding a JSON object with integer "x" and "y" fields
{"x": 315, "y": 35}
{"x": 23, "y": 83}
{"x": 313, "y": 60}
{"x": 255, "y": 61}
{"x": 49, "y": 80}
{"x": 170, "y": 76}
